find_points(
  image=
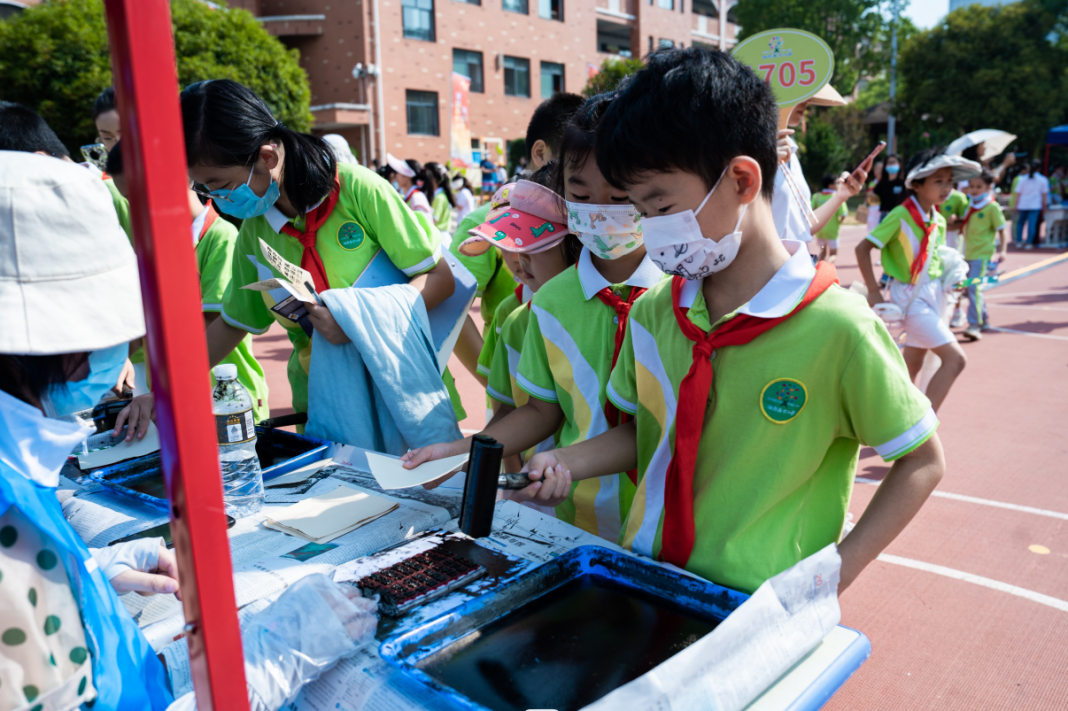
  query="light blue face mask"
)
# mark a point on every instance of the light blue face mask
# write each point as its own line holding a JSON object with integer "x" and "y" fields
{"x": 105, "y": 365}
{"x": 893, "y": 169}
{"x": 396, "y": 186}
{"x": 242, "y": 203}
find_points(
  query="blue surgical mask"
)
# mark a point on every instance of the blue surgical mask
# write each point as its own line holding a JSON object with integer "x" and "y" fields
{"x": 396, "y": 186}
{"x": 979, "y": 198}
{"x": 105, "y": 365}
{"x": 242, "y": 203}
{"x": 893, "y": 169}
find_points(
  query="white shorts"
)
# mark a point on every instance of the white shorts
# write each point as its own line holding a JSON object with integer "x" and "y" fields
{"x": 831, "y": 243}
{"x": 924, "y": 325}
{"x": 952, "y": 238}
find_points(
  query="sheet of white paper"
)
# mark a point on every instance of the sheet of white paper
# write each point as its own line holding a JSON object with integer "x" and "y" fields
{"x": 783, "y": 620}
{"x": 121, "y": 451}
{"x": 297, "y": 277}
{"x": 298, "y": 475}
{"x": 390, "y": 473}
{"x": 320, "y": 517}
{"x": 297, "y": 291}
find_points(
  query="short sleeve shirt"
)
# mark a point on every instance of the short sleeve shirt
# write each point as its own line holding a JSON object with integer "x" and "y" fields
{"x": 956, "y": 205}
{"x": 900, "y": 238}
{"x": 567, "y": 359}
{"x": 503, "y": 386}
{"x": 442, "y": 211}
{"x": 493, "y": 333}
{"x": 369, "y": 216}
{"x": 782, "y": 433}
{"x": 981, "y": 232}
{"x": 1029, "y": 191}
{"x": 830, "y": 230}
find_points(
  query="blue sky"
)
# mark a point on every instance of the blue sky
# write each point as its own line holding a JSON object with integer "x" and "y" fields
{"x": 925, "y": 13}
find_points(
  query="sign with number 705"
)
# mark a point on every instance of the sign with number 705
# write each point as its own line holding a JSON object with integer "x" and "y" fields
{"x": 794, "y": 63}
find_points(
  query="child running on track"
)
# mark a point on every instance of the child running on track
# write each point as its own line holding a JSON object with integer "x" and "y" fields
{"x": 983, "y": 226}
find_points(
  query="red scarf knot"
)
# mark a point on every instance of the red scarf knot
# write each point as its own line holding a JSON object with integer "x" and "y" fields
{"x": 310, "y": 261}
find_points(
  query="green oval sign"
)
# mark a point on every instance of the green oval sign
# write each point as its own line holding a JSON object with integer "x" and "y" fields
{"x": 796, "y": 64}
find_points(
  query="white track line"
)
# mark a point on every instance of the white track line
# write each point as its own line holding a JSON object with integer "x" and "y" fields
{"x": 1049, "y": 336}
{"x": 1029, "y": 308}
{"x": 984, "y": 502}
{"x": 1007, "y": 294}
{"x": 1031, "y": 595}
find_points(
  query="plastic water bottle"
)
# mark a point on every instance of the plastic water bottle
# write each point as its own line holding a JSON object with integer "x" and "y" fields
{"x": 242, "y": 478}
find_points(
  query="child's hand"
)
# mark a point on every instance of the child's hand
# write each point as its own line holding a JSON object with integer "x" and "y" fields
{"x": 783, "y": 147}
{"x": 874, "y": 298}
{"x": 140, "y": 411}
{"x": 849, "y": 184}
{"x": 323, "y": 322}
{"x": 433, "y": 452}
{"x": 127, "y": 379}
{"x": 551, "y": 487}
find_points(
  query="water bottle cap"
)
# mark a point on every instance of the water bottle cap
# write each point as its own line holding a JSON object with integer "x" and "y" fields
{"x": 226, "y": 371}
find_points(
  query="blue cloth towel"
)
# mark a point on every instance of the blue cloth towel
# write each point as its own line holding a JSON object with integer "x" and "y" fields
{"x": 383, "y": 391}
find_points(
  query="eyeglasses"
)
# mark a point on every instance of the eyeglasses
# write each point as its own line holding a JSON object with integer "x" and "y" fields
{"x": 202, "y": 191}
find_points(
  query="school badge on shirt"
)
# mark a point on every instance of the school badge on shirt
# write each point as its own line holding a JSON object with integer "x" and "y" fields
{"x": 350, "y": 236}
{"x": 782, "y": 400}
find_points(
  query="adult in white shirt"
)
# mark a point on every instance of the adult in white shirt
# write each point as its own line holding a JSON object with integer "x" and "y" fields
{"x": 791, "y": 202}
{"x": 1032, "y": 193}
{"x": 465, "y": 199}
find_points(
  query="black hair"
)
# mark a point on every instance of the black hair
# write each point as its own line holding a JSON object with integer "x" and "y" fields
{"x": 971, "y": 153}
{"x": 987, "y": 177}
{"x": 114, "y": 165}
{"x": 23, "y": 129}
{"x": 692, "y": 110}
{"x": 579, "y": 139}
{"x": 918, "y": 160}
{"x": 1033, "y": 167}
{"x": 104, "y": 103}
{"x": 893, "y": 156}
{"x": 828, "y": 180}
{"x": 440, "y": 176}
{"x": 549, "y": 119}
{"x": 226, "y": 123}
{"x": 386, "y": 172}
{"x": 31, "y": 376}
{"x": 421, "y": 178}
{"x": 466, "y": 182}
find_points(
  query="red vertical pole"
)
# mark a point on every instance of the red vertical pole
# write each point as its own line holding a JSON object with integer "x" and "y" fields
{"x": 146, "y": 81}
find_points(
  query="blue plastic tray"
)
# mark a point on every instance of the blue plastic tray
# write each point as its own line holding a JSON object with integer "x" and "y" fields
{"x": 289, "y": 451}
{"x": 694, "y": 597}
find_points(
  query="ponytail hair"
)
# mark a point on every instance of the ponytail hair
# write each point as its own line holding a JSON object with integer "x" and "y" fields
{"x": 442, "y": 180}
{"x": 421, "y": 179}
{"x": 226, "y": 123}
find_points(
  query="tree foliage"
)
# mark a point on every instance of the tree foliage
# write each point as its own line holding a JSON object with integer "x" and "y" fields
{"x": 613, "y": 70}
{"x": 987, "y": 67}
{"x": 857, "y": 31}
{"x": 54, "y": 58}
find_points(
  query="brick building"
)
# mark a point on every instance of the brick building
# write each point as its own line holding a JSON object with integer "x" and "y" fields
{"x": 516, "y": 53}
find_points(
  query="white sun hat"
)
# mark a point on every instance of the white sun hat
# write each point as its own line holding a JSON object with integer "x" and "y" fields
{"x": 963, "y": 169}
{"x": 68, "y": 276}
{"x": 400, "y": 166}
{"x": 827, "y": 96}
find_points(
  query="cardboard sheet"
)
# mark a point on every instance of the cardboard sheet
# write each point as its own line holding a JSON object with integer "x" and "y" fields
{"x": 390, "y": 473}
{"x": 122, "y": 451}
{"x": 328, "y": 516}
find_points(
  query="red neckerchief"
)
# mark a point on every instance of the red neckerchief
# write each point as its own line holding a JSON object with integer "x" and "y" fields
{"x": 921, "y": 256}
{"x": 310, "y": 261}
{"x": 677, "y": 539}
{"x": 622, "y": 309}
{"x": 519, "y": 295}
{"x": 208, "y": 219}
{"x": 410, "y": 192}
{"x": 972, "y": 210}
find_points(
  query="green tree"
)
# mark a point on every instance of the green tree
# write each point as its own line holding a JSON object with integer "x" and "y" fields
{"x": 54, "y": 58}
{"x": 821, "y": 150}
{"x": 857, "y": 31}
{"x": 987, "y": 67}
{"x": 613, "y": 70}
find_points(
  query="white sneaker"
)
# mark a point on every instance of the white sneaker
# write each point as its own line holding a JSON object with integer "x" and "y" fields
{"x": 959, "y": 319}
{"x": 972, "y": 333}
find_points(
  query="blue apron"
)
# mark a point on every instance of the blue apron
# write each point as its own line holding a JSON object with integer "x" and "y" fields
{"x": 126, "y": 672}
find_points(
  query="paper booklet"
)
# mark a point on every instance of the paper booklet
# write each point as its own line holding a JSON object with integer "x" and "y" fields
{"x": 290, "y": 291}
{"x": 321, "y": 519}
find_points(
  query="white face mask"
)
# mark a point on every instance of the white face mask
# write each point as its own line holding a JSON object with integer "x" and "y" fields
{"x": 608, "y": 231}
{"x": 676, "y": 245}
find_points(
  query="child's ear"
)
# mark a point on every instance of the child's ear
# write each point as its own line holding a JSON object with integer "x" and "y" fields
{"x": 747, "y": 176}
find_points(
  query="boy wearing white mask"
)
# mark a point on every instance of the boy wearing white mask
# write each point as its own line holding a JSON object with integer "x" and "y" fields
{"x": 576, "y": 329}
{"x": 752, "y": 377}
{"x": 982, "y": 227}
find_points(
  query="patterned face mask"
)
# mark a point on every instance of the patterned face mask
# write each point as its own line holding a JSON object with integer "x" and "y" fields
{"x": 608, "y": 231}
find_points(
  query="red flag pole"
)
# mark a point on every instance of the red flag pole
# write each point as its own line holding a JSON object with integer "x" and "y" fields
{"x": 146, "y": 83}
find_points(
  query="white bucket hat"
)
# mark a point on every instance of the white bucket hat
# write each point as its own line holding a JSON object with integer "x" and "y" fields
{"x": 68, "y": 276}
{"x": 963, "y": 169}
{"x": 400, "y": 166}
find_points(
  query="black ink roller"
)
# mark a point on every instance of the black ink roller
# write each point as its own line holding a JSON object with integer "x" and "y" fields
{"x": 480, "y": 489}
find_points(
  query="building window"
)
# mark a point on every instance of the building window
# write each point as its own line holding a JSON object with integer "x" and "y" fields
{"x": 418, "y": 18}
{"x": 665, "y": 44}
{"x": 422, "y": 112}
{"x": 470, "y": 2}
{"x": 516, "y": 76}
{"x": 552, "y": 79}
{"x": 519, "y": 6}
{"x": 706, "y": 8}
{"x": 470, "y": 65}
{"x": 551, "y": 10}
{"x": 613, "y": 38}
{"x": 666, "y": 4}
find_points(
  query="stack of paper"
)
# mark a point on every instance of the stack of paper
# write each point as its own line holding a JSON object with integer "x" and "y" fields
{"x": 104, "y": 450}
{"x": 323, "y": 518}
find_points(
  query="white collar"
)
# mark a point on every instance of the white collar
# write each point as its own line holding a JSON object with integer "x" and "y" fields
{"x": 277, "y": 220}
{"x": 780, "y": 295}
{"x": 646, "y": 276}
{"x": 34, "y": 445}
{"x": 198, "y": 225}
{"x": 527, "y": 294}
{"x": 927, "y": 219}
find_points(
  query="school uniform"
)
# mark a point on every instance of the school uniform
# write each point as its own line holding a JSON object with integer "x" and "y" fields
{"x": 567, "y": 359}
{"x": 416, "y": 200}
{"x": 773, "y": 459}
{"x": 215, "y": 239}
{"x": 909, "y": 242}
{"x": 521, "y": 295}
{"x": 122, "y": 210}
{"x": 495, "y": 280}
{"x": 981, "y": 226}
{"x": 442, "y": 211}
{"x": 368, "y": 217}
{"x": 956, "y": 205}
{"x": 504, "y": 371}
{"x": 829, "y": 233}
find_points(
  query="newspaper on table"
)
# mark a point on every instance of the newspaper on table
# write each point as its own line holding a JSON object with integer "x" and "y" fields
{"x": 290, "y": 291}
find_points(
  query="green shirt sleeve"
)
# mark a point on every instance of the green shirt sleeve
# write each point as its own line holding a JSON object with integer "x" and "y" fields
{"x": 122, "y": 208}
{"x": 244, "y": 308}
{"x": 484, "y": 266}
{"x": 622, "y": 384}
{"x": 534, "y": 375}
{"x": 215, "y": 258}
{"x": 409, "y": 244}
{"x": 887, "y": 229}
{"x": 880, "y": 406}
{"x": 500, "y": 376}
{"x": 998, "y": 220}
{"x": 442, "y": 212}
